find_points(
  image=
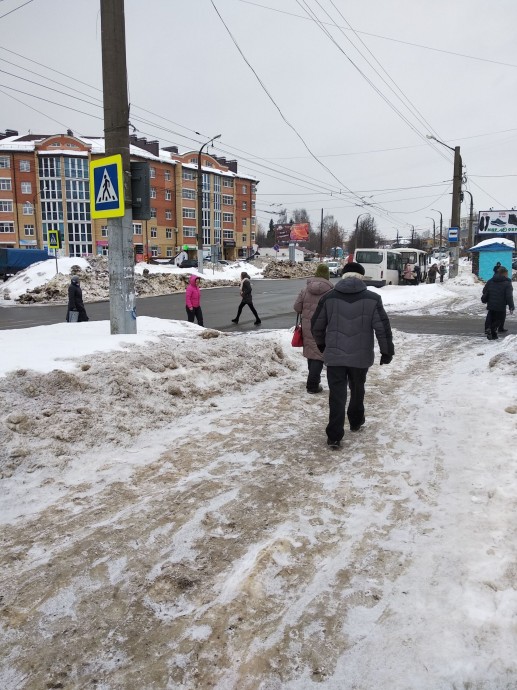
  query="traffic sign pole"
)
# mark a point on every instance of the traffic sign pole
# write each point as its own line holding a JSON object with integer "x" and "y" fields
{"x": 116, "y": 137}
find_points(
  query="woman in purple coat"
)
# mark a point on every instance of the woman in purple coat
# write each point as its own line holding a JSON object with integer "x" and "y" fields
{"x": 306, "y": 304}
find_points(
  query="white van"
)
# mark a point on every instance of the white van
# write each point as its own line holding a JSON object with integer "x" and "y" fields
{"x": 417, "y": 257}
{"x": 382, "y": 266}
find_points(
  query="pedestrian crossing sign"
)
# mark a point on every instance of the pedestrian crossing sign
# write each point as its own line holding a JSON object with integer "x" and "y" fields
{"x": 107, "y": 187}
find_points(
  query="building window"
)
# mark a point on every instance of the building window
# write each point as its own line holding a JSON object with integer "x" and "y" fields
{"x": 77, "y": 189}
{"x": 153, "y": 192}
{"x": 244, "y": 222}
{"x": 5, "y": 162}
{"x": 154, "y": 232}
{"x": 244, "y": 205}
{"x": 169, "y": 252}
{"x": 227, "y": 217}
{"x": 189, "y": 175}
{"x": 189, "y": 232}
{"x": 78, "y": 210}
{"x": 227, "y": 200}
{"x": 188, "y": 193}
{"x": 6, "y": 206}
{"x": 244, "y": 188}
{"x": 7, "y": 227}
{"x": 168, "y": 215}
{"x": 26, "y": 188}
{"x": 253, "y": 220}
{"x": 227, "y": 234}
{"x": 167, "y": 175}
{"x": 153, "y": 212}
{"x": 168, "y": 195}
{"x": 244, "y": 237}
{"x": 193, "y": 161}
{"x": 227, "y": 182}
{"x": 49, "y": 167}
{"x": 168, "y": 233}
{"x": 254, "y": 188}
{"x": 5, "y": 184}
{"x": 155, "y": 251}
{"x": 253, "y": 237}
{"x": 28, "y": 209}
{"x": 253, "y": 204}
{"x": 104, "y": 230}
{"x": 80, "y": 239}
{"x": 152, "y": 173}
{"x": 25, "y": 166}
{"x": 28, "y": 230}
{"x": 137, "y": 228}
{"x": 189, "y": 213}
{"x": 76, "y": 168}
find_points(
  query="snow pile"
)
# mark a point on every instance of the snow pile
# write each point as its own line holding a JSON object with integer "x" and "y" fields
{"x": 39, "y": 283}
{"x": 290, "y": 269}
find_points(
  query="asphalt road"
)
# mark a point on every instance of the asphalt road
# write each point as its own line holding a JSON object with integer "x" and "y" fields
{"x": 273, "y": 300}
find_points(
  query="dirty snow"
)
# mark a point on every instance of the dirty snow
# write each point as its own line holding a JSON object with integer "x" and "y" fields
{"x": 172, "y": 518}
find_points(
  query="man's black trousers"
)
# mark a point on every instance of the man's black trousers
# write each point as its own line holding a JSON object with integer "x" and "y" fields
{"x": 339, "y": 378}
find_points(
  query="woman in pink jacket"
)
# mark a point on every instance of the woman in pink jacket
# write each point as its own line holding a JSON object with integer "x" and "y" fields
{"x": 193, "y": 301}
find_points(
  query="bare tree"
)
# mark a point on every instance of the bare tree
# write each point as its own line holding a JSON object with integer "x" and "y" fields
{"x": 365, "y": 234}
{"x": 333, "y": 234}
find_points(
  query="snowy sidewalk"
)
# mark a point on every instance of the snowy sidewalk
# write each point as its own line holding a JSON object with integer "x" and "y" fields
{"x": 230, "y": 549}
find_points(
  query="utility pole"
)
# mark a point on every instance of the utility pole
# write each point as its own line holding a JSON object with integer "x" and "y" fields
{"x": 456, "y": 210}
{"x": 441, "y": 227}
{"x": 200, "y": 205}
{"x": 321, "y": 234}
{"x": 434, "y": 230}
{"x": 471, "y": 220}
{"x": 116, "y": 138}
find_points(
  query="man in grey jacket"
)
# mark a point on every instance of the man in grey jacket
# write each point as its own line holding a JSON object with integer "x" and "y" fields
{"x": 343, "y": 326}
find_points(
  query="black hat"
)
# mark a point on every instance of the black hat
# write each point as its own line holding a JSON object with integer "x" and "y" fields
{"x": 353, "y": 267}
{"x": 75, "y": 279}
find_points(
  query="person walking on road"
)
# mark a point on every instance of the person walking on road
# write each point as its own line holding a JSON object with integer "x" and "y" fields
{"x": 497, "y": 294}
{"x": 75, "y": 300}
{"x": 306, "y": 304}
{"x": 442, "y": 272}
{"x": 193, "y": 300}
{"x": 246, "y": 298}
{"x": 343, "y": 326}
{"x": 431, "y": 273}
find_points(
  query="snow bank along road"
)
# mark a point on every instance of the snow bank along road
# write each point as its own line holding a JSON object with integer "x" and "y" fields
{"x": 173, "y": 519}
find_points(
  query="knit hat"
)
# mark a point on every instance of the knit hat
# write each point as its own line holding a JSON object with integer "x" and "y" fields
{"x": 322, "y": 271}
{"x": 75, "y": 280}
{"x": 353, "y": 267}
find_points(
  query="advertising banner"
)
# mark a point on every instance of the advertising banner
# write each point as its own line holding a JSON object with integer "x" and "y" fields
{"x": 282, "y": 233}
{"x": 497, "y": 222}
{"x": 299, "y": 232}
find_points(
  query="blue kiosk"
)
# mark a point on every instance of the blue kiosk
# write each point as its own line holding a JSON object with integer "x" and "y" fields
{"x": 489, "y": 252}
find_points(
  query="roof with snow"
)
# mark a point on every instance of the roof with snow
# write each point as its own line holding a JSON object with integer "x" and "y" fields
{"x": 495, "y": 244}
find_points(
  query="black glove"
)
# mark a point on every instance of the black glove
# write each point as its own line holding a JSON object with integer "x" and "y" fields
{"x": 386, "y": 359}
{"x": 321, "y": 348}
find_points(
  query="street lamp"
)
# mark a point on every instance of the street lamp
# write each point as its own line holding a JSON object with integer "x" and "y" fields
{"x": 456, "y": 203}
{"x": 441, "y": 226}
{"x": 200, "y": 205}
{"x": 357, "y": 226}
{"x": 434, "y": 229}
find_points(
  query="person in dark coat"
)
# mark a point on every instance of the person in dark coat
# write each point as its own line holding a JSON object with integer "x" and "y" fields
{"x": 431, "y": 273}
{"x": 497, "y": 267}
{"x": 246, "y": 298}
{"x": 442, "y": 271}
{"x": 343, "y": 327}
{"x": 306, "y": 304}
{"x": 75, "y": 299}
{"x": 497, "y": 295}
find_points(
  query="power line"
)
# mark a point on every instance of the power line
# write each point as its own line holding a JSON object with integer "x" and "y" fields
{"x": 389, "y": 38}
{"x": 16, "y": 9}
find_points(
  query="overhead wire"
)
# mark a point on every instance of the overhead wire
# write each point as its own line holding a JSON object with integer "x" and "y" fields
{"x": 15, "y": 9}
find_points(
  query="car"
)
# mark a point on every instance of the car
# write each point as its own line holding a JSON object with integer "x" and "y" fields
{"x": 335, "y": 269}
{"x": 223, "y": 262}
{"x": 188, "y": 263}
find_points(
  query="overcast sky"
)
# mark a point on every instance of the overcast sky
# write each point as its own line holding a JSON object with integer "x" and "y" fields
{"x": 185, "y": 69}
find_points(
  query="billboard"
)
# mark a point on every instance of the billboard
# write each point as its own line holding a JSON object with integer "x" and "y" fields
{"x": 299, "y": 232}
{"x": 497, "y": 222}
{"x": 283, "y": 233}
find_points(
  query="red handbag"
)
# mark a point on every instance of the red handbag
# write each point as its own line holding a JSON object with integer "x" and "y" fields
{"x": 297, "y": 340}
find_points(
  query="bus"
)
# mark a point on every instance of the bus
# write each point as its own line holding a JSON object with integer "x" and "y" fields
{"x": 415, "y": 257}
{"x": 382, "y": 266}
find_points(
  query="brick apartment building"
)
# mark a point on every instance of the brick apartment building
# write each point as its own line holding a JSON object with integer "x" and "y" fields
{"x": 44, "y": 185}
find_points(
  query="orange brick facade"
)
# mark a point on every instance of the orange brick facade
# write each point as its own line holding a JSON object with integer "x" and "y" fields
{"x": 44, "y": 184}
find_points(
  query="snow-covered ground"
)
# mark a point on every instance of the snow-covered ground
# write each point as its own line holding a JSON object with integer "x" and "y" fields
{"x": 172, "y": 517}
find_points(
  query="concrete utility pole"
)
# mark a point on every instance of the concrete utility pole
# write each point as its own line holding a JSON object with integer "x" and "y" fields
{"x": 434, "y": 229}
{"x": 456, "y": 211}
{"x": 441, "y": 226}
{"x": 200, "y": 205}
{"x": 471, "y": 220}
{"x": 116, "y": 137}
{"x": 321, "y": 234}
